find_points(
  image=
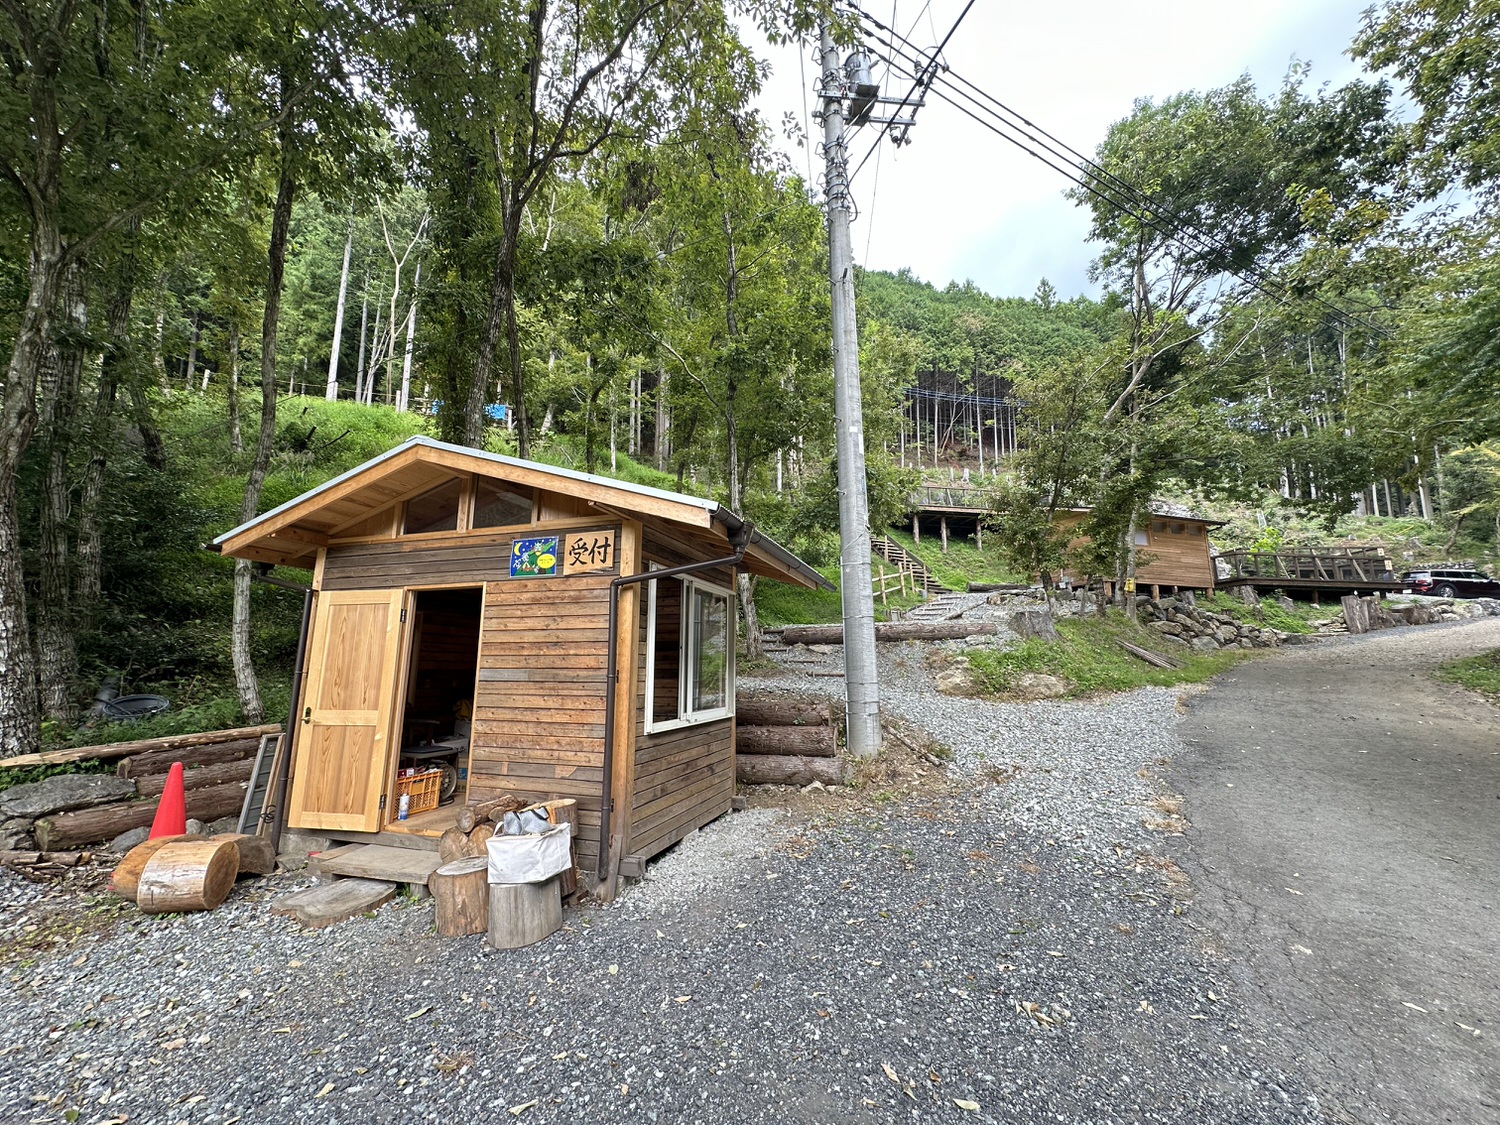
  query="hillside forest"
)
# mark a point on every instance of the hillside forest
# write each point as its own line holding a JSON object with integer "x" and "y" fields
{"x": 247, "y": 247}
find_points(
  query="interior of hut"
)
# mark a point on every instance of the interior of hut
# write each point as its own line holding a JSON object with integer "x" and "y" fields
{"x": 436, "y": 710}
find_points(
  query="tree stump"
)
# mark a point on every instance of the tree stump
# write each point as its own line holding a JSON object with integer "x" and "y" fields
{"x": 461, "y": 896}
{"x": 126, "y": 878}
{"x": 522, "y": 914}
{"x": 1034, "y": 623}
{"x": 188, "y": 875}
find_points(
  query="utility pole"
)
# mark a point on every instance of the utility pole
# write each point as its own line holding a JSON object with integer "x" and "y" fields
{"x": 861, "y": 678}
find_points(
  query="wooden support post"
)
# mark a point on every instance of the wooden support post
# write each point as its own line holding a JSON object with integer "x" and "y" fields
{"x": 943, "y": 530}
{"x": 916, "y": 530}
{"x": 978, "y": 534}
{"x": 1155, "y": 592}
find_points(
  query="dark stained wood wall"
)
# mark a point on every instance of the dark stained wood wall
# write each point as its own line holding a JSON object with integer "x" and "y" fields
{"x": 684, "y": 778}
{"x": 539, "y": 703}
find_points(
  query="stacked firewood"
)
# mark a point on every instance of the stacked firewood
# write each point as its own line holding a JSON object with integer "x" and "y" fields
{"x": 787, "y": 740}
{"x": 477, "y": 822}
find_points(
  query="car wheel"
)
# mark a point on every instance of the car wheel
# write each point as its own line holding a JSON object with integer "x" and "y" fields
{"x": 1443, "y": 591}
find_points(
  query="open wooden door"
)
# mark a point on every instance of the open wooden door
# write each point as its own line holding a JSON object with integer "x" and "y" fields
{"x": 343, "y": 739}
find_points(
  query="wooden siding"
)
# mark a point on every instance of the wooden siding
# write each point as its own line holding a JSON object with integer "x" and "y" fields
{"x": 684, "y": 778}
{"x": 539, "y": 707}
{"x": 1176, "y": 558}
{"x": 1179, "y": 554}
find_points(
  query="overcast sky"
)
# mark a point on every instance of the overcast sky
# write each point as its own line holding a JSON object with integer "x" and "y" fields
{"x": 959, "y": 203}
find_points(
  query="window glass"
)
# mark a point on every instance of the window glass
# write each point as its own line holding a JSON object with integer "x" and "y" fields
{"x": 690, "y": 658}
{"x": 666, "y": 649}
{"x": 497, "y": 504}
{"x": 710, "y": 670}
{"x": 434, "y": 510}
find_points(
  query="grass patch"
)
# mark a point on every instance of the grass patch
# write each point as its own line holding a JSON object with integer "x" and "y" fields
{"x": 1477, "y": 673}
{"x": 780, "y": 603}
{"x": 1268, "y": 614}
{"x": 964, "y": 562}
{"x": 1090, "y": 659}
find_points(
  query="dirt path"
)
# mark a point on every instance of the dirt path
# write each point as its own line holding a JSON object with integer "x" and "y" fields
{"x": 1346, "y": 845}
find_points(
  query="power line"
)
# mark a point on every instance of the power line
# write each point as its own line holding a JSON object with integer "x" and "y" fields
{"x": 1087, "y": 174}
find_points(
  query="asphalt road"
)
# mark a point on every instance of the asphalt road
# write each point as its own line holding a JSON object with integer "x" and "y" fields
{"x": 1345, "y": 844}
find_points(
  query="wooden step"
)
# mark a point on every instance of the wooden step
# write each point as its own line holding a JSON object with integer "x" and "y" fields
{"x": 328, "y": 903}
{"x": 376, "y": 861}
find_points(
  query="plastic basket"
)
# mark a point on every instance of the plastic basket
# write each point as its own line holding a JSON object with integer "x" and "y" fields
{"x": 422, "y": 789}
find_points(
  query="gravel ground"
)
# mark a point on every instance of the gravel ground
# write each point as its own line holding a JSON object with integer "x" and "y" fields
{"x": 1002, "y": 945}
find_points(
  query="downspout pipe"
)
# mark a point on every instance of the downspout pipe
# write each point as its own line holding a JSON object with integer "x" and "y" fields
{"x": 740, "y": 540}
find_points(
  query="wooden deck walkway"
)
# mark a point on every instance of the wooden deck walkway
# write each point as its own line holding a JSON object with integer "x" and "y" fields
{"x": 1326, "y": 569}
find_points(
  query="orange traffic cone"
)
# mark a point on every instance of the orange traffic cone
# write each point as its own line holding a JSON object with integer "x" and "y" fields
{"x": 171, "y": 813}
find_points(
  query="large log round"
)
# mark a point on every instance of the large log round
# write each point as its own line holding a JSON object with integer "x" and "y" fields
{"x": 777, "y": 769}
{"x": 461, "y": 896}
{"x": 189, "y": 875}
{"x": 105, "y": 822}
{"x": 812, "y": 741}
{"x": 783, "y": 711}
{"x": 126, "y": 876}
{"x": 254, "y": 854}
{"x": 523, "y": 914}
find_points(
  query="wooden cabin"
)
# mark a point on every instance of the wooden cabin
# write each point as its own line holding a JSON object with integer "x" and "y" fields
{"x": 1172, "y": 545}
{"x": 464, "y": 595}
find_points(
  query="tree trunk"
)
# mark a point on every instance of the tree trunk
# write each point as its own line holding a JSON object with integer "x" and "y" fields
{"x": 331, "y": 393}
{"x": 232, "y": 389}
{"x": 890, "y": 631}
{"x": 19, "y": 729}
{"x": 245, "y": 678}
{"x": 403, "y": 404}
{"x": 56, "y": 644}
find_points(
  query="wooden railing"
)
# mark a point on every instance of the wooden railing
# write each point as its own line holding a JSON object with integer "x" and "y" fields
{"x": 967, "y": 496}
{"x": 1323, "y": 564}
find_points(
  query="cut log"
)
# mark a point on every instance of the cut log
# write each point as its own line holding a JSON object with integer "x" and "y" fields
{"x": 1034, "y": 623}
{"x": 105, "y": 822}
{"x": 466, "y": 820}
{"x": 126, "y": 877}
{"x": 784, "y": 711}
{"x": 461, "y": 896}
{"x": 255, "y": 854}
{"x": 202, "y": 778}
{"x": 452, "y": 844}
{"x": 522, "y": 914}
{"x": 189, "y": 875}
{"x": 777, "y": 769}
{"x": 114, "y": 750}
{"x": 477, "y": 839}
{"x": 890, "y": 631}
{"x": 819, "y": 742}
{"x": 496, "y": 807}
{"x": 158, "y": 762}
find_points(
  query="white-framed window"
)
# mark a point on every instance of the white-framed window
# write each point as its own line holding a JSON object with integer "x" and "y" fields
{"x": 689, "y": 653}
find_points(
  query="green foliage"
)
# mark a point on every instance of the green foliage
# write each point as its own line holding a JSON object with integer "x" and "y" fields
{"x": 1269, "y": 613}
{"x": 1089, "y": 657}
{"x": 964, "y": 562}
{"x": 1477, "y": 673}
{"x": 780, "y": 604}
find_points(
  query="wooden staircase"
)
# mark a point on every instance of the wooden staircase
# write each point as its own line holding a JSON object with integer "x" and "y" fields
{"x": 898, "y": 556}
